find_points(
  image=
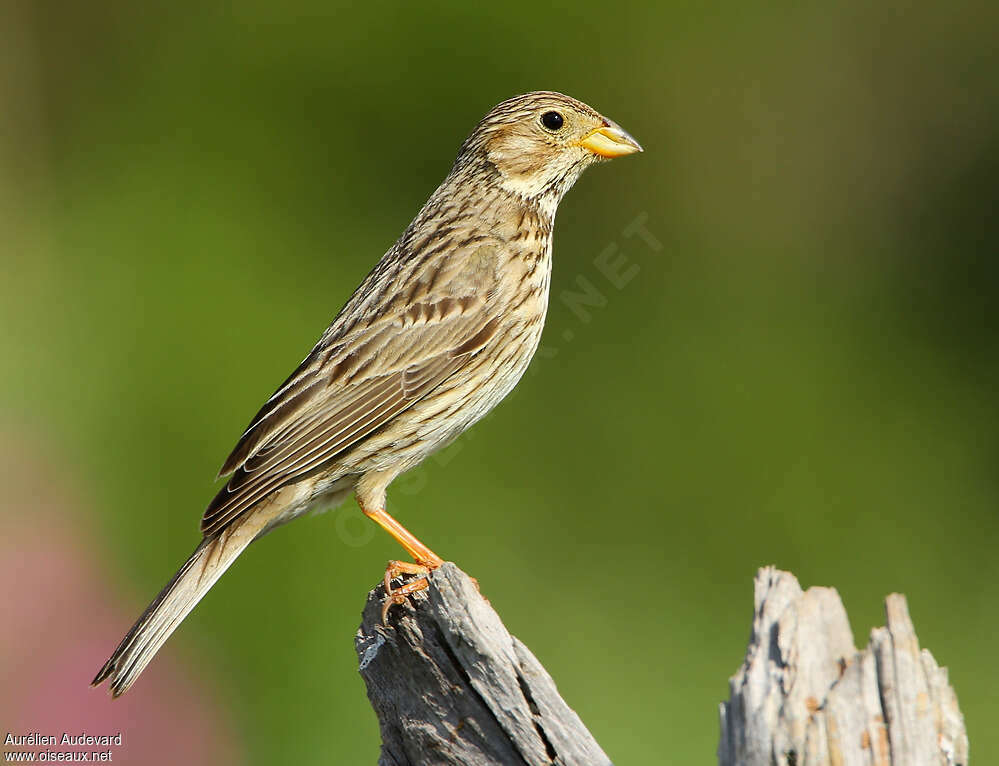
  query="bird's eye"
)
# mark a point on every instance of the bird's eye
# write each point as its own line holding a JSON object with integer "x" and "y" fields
{"x": 552, "y": 120}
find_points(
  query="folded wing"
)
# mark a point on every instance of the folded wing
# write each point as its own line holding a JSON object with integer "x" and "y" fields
{"x": 344, "y": 392}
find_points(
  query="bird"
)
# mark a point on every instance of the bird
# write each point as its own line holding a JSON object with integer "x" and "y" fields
{"x": 434, "y": 337}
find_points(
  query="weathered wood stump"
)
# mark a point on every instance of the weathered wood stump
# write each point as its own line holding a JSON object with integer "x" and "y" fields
{"x": 805, "y": 696}
{"x": 450, "y": 685}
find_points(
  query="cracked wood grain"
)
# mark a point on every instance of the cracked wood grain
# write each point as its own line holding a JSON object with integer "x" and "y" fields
{"x": 805, "y": 696}
{"x": 450, "y": 685}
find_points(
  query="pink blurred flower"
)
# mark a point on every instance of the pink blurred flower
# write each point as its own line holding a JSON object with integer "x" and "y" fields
{"x": 59, "y": 620}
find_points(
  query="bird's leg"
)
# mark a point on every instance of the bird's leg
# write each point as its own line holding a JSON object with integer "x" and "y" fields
{"x": 420, "y": 553}
{"x": 425, "y": 560}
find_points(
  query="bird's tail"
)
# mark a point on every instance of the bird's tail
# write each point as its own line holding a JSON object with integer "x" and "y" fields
{"x": 209, "y": 560}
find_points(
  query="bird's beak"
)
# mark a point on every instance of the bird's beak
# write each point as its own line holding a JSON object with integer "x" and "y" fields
{"x": 610, "y": 141}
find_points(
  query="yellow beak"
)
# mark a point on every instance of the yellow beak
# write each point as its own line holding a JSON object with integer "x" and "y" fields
{"x": 610, "y": 141}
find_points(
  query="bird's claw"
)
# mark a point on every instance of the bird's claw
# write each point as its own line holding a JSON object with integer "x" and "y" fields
{"x": 398, "y": 595}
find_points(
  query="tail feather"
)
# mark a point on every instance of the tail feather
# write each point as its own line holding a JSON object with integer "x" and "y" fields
{"x": 192, "y": 581}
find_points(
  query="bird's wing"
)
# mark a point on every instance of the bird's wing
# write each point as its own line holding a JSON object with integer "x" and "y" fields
{"x": 362, "y": 375}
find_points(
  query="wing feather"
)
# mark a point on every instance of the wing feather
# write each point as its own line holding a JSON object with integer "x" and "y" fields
{"x": 307, "y": 433}
{"x": 400, "y": 336}
{"x": 295, "y": 460}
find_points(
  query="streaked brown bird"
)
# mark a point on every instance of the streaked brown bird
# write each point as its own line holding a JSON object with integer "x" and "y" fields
{"x": 436, "y": 335}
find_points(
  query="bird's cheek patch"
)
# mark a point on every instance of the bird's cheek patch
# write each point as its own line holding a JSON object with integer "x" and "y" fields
{"x": 517, "y": 157}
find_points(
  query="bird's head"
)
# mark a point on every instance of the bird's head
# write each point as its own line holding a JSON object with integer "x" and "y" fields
{"x": 540, "y": 142}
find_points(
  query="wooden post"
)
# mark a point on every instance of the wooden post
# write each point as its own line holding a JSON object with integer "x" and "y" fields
{"x": 805, "y": 696}
{"x": 450, "y": 685}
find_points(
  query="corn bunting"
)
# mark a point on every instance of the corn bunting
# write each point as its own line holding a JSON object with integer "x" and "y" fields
{"x": 436, "y": 335}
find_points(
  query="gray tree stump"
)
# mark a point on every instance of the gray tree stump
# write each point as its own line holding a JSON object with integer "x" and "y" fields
{"x": 805, "y": 696}
{"x": 450, "y": 685}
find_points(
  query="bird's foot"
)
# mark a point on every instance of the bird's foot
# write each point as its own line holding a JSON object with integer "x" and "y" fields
{"x": 398, "y": 595}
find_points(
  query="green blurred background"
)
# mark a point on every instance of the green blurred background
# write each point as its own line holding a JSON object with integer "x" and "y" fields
{"x": 802, "y": 372}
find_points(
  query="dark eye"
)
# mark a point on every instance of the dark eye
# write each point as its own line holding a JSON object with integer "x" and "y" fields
{"x": 552, "y": 120}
